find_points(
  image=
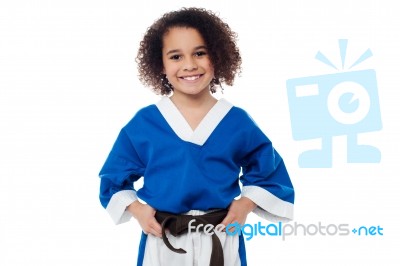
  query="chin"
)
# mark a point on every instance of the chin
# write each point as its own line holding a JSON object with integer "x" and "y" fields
{"x": 192, "y": 91}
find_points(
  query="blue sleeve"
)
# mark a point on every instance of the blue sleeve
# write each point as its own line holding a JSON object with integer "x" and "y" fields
{"x": 265, "y": 178}
{"x": 121, "y": 168}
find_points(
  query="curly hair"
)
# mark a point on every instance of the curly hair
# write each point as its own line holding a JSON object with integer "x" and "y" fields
{"x": 219, "y": 38}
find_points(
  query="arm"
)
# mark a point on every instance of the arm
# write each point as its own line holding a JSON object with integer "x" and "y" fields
{"x": 122, "y": 168}
{"x": 266, "y": 181}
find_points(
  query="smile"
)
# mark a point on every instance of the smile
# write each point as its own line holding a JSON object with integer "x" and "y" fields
{"x": 191, "y": 78}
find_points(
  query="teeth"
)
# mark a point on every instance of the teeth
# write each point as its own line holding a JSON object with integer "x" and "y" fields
{"x": 191, "y": 78}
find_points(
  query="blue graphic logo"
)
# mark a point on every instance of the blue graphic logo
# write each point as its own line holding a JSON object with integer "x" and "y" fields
{"x": 344, "y": 103}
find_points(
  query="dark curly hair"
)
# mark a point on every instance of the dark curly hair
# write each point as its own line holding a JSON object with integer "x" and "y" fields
{"x": 219, "y": 38}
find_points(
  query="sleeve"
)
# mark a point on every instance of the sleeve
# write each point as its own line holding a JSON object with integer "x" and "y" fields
{"x": 266, "y": 181}
{"x": 121, "y": 169}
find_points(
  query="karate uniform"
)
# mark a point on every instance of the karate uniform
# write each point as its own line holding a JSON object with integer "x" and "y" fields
{"x": 187, "y": 170}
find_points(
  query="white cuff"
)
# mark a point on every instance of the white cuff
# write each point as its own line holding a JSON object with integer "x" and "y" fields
{"x": 116, "y": 208}
{"x": 269, "y": 206}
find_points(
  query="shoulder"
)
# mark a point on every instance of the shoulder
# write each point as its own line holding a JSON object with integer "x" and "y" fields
{"x": 244, "y": 122}
{"x": 142, "y": 115}
{"x": 239, "y": 123}
{"x": 241, "y": 115}
{"x": 145, "y": 111}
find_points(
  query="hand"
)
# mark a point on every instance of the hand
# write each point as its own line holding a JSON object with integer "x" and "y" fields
{"x": 144, "y": 214}
{"x": 238, "y": 211}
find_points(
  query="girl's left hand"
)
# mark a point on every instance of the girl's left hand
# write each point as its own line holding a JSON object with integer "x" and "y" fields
{"x": 238, "y": 211}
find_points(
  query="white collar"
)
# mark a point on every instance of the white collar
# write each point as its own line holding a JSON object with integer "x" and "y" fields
{"x": 181, "y": 127}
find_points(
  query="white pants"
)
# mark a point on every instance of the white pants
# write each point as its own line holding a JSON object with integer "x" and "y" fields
{"x": 197, "y": 245}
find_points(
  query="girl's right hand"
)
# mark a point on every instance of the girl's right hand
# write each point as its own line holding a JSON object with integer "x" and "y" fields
{"x": 144, "y": 214}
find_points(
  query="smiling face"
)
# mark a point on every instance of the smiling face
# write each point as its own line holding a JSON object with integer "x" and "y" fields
{"x": 186, "y": 62}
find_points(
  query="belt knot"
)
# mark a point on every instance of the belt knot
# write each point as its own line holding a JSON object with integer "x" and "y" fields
{"x": 179, "y": 224}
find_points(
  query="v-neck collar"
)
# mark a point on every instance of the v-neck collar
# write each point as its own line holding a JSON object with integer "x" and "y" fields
{"x": 182, "y": 128}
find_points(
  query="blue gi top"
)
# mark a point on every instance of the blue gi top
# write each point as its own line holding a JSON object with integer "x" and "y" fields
{"x": 200, "y": 169}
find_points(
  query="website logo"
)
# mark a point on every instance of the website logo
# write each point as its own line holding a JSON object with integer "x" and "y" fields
{"x": 286, "y": 230}
{"x": 344, "y": 103}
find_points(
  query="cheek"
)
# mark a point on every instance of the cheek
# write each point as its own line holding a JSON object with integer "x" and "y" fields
{"x": 210, "y": 66}
{"x": 164, "y": 66}
{"x": 167, "y": 70}
{"x": 170, "y": 67}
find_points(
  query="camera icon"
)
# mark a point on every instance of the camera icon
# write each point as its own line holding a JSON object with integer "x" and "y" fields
{"x": 331, "y": 105}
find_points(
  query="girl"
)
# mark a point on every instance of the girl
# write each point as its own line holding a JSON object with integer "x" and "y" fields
{"x": 192, "y": 150}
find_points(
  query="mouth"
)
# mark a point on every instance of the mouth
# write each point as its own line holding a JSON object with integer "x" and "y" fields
{"x": 191, "y": 78}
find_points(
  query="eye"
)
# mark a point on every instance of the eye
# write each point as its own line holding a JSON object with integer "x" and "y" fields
{"x": 200, "y": 53}
{"x": 175, "y": 57}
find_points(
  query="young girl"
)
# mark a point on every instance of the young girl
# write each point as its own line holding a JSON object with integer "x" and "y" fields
{"x": 192, "y": 150}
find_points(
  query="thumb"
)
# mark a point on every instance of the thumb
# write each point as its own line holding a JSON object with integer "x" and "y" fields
{"x": 155, "y": 225}
{"x": 227, "y": 220}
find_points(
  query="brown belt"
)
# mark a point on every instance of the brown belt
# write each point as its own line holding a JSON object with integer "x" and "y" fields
{"x": 178, "y": 225}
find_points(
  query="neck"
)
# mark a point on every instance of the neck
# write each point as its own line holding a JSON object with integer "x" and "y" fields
{"x": 193, "y": 101}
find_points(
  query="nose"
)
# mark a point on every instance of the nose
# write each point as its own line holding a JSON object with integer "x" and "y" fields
{"x": 190, "y": 64}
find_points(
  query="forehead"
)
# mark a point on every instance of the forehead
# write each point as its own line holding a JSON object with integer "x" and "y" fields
{"x": 182, "y": 38}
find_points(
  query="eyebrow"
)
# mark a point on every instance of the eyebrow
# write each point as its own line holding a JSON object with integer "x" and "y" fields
{"x": 195, "y": 49}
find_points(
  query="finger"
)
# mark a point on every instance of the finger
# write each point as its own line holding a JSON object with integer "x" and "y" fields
{"x": 152, "y": 231}
{"x": 233, "y": 226}
{"x": 228, "y": 219}
{"x": 155, "y": 225}
{"x": 155, "y": 233}
{"x": 155, "y": 228}
{"x": 149, "y": 228}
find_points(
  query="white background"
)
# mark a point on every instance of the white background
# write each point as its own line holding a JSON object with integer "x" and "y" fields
{"x": 68, "y": 83}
